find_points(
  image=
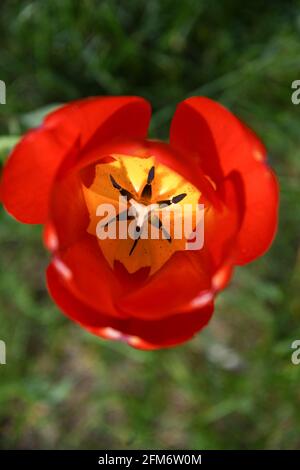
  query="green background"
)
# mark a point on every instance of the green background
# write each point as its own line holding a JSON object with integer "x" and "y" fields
{"x": 231, "y": 387}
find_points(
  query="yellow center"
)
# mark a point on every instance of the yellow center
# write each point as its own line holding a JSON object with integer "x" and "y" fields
{"x": 147, "y": 197}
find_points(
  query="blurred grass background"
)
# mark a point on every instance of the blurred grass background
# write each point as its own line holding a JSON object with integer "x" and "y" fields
{"x": 233, "y": 386}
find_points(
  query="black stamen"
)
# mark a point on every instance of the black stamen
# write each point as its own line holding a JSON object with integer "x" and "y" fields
{"x": 122, "y": 191}
{"x": 119, "y": 217}
{"x": 178, "y": 198}
{"x": 173, "y": 200}
{"x": 133, "y": 246}
{"x": 167, "y": 202}
{"x": 147, "y": 191}
{"x": 114, "y": 183}
{"x": 151, "y": 175}
{"x": 156, "y": 222}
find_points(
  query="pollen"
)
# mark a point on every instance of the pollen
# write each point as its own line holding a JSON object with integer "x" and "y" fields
{"x": 140, "y": 211}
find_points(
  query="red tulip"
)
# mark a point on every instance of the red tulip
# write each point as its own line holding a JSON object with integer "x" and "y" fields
{"x": 158, "y": 294}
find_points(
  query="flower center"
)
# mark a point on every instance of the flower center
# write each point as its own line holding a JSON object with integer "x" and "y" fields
{"x": 140, "y": 211}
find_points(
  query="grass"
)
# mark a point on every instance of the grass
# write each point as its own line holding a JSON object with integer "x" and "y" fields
{"x": 231, "y": 387}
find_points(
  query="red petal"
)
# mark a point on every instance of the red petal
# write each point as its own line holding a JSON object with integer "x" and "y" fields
{"x": 261, "y": 213}
{"x": 182, "y": 279}
{"x": 33, "y": 164}
{"x": 68, "y": 211}
{"x": 222, "y": 226}
{"x": 136, "y": 332}
{"x": 86, "y": 273}
{"x": 220, "y": 143}
{"x": 88, "y": 276}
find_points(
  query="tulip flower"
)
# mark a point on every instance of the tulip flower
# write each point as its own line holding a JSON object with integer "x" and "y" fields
{"x": 150, "y": 293}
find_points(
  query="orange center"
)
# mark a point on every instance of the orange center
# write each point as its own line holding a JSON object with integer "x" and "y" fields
{"x": 140, "y": 211}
